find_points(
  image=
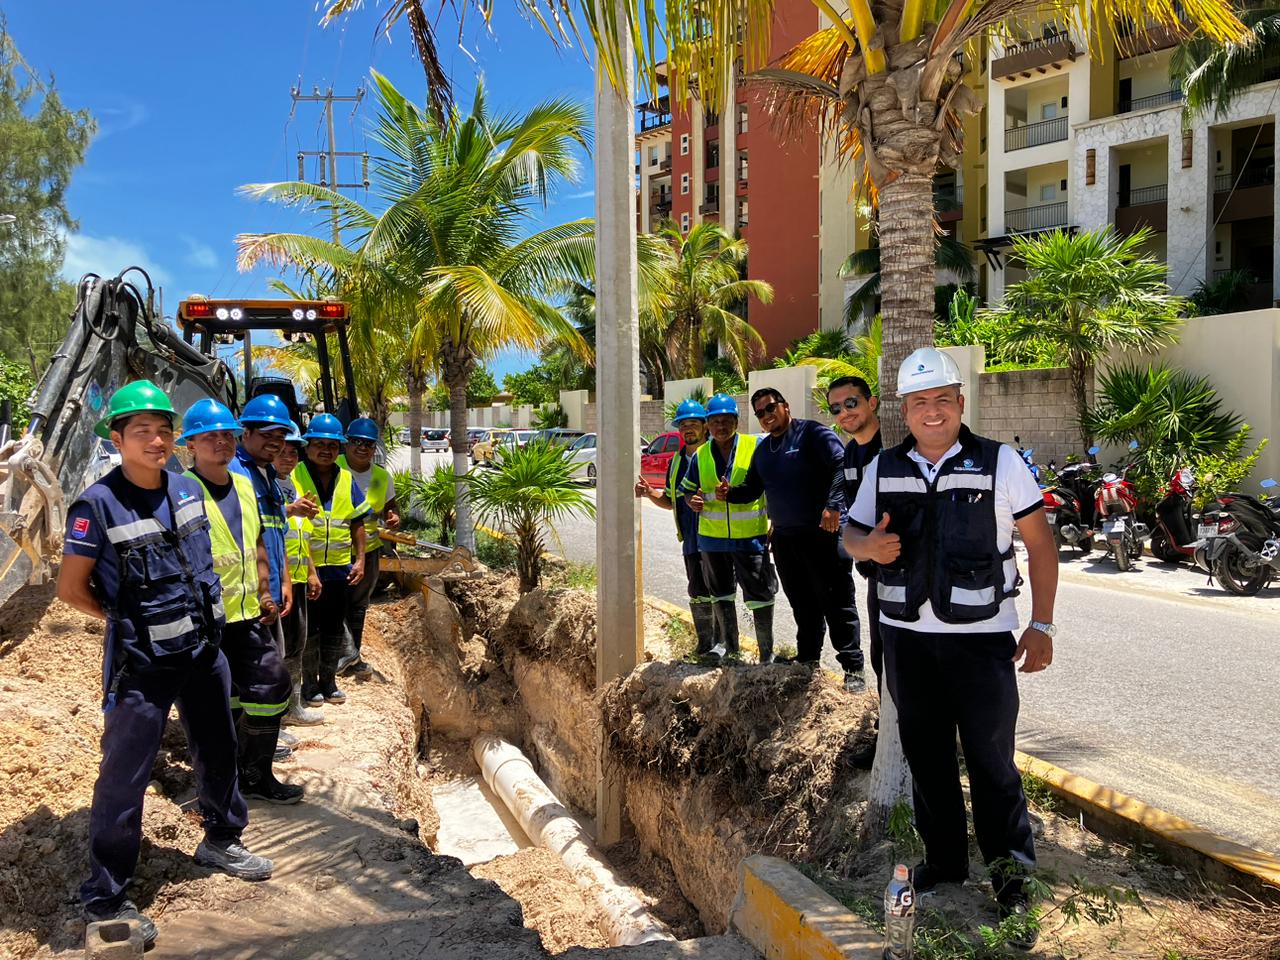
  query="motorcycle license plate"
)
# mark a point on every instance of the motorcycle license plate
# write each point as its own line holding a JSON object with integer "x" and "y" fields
{"x": 1206, "y": 530}
{"x": 1051, "y": 516}
{"x": 1113, "y": 527}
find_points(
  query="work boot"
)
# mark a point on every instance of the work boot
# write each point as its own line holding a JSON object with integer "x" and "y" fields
{"x": 232, "y": 858}
{"x": 126, "y": 911}
{"x": 257, "y": 750}
{"x": 763, "y": 617}
{"x": 727, "y": 624}
{"x": 287, "y": 739}
{"x": 330, "y": 690}
{"x": 299, "y": 714}
{"x": 704, "y": 626}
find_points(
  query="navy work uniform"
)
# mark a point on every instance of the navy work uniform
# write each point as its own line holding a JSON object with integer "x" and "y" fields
{"x": 947, "y": 618}
{"x": 155, "y": 580}
{"x": 857, "y": 457}
{"x": 701, "y": 599}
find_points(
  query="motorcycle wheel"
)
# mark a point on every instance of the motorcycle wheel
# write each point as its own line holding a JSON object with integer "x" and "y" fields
{"x": 1162, "y": 549}
{"x": 1121, "y": 550}
{"x": 1235, "y": 574}
{"x": 1085, "y": 546}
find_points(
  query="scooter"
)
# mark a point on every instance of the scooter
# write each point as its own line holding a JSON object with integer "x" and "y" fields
{"x": 1245, "y": 555}
{"x": 1068, "y": 503}
{"x": 1116, "y": 503}
{"x": 1180, "y": 532}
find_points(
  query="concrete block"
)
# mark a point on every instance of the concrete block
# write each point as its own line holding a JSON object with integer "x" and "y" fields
{"x": 786, "y": 916}
{"x": 113, "y": 940}
{"x": 673, "y": 391}
{"x": 795, "y": 383}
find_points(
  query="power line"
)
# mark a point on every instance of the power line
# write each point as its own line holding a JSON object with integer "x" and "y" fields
{"x": 328, "y": 157}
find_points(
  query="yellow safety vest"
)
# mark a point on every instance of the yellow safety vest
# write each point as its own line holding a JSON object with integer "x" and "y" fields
{"x": 297, "y": 547}
{"x": 236, "y": 564}
{"x": 331, "y": 528}
{"x": 377, "y": 496}
{"x": 720, "y": 519}
{"x": 673, "y": 494}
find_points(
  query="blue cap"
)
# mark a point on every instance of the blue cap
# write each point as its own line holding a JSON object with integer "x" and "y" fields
{"x": 206, "y": 416}
{"x": 325, "y": 426}
{"x": 689, "y": 410}
{"x": 266, "y": 408}
{"x": 362, "y": 428}
{"x": 722, "y": 403}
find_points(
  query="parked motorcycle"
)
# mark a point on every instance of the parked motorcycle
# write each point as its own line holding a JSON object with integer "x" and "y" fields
{"x": 1068, "y": 503}
{"x": 1245, "y": 554}
{"x": 1180, "y": 531}
{"x": 1116, "y": 505}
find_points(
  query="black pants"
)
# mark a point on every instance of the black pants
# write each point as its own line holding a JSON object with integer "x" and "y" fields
{"x": 131, "y": 732}
{"x": 818, "y": 582}
{"x": 260, "y": 683}
{"x": 326, "y": 633}
{"x": 942, "y": 683}
{"x": 725, "y": 571}
{"x": 696, "y": 579}
{"x": 876, "y": 643}
{"x": 295, "y": 624}
{"x": 358, "y": 598}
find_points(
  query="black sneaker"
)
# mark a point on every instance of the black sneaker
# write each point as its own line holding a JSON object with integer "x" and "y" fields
{"x": 1024, "y": 932}
{"x": 312, "y": 695}
{"x": 855, "y": 681}
{"x": 361, "y": 670}
{"x": 925, "y": 877}
{"x": 283, "y": 753}
{"x": 272, "y": 790}
{"x": 126, "y": 911}
{"x": 333, "y": 694}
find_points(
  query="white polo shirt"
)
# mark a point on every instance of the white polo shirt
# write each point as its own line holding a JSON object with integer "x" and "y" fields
{"x": 1016, "y": 494}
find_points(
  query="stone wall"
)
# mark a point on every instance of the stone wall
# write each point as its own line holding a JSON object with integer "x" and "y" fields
{"x": 652, "y": 420}
{"x": 1035, "y": 405}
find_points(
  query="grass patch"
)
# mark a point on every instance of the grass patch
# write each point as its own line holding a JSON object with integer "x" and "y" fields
{"x": 1038, "y": 792}
{"x": 571, "y": 574}
{"x": 680, "y": 637}
{"x": 495, "y": 553}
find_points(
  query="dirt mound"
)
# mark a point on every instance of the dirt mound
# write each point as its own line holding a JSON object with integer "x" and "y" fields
{"x": 776, "y": 741}
{"x": 557, "y": 625}
{"x": 562, "y": 912}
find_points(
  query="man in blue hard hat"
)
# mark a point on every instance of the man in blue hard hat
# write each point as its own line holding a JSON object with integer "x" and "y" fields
{"x": 380, "y": 492}
{"x": 138, "y": 555}
{"x": 732, "y": 537}
{"x": 337, "y": 548}
{"x": 259, "y": 681}
{"x": 691, "y": 421}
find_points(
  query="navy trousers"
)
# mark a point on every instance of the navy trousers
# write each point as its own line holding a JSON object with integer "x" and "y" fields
{"x": 818, "y": 581}
{"x": 358, "y": 598}
{"x": 944, "y": 683}
{"x": 260, "y": 682}
{"x": 132, "y": 728}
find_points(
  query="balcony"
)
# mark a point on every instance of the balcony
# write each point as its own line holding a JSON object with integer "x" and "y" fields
{"x": 1260, "y": 176}
{"x": 1030, "y": 219}
{"x": 948, "y": 201}
{"x": 664, "y": 165}
{"x": 1035, "y": 134}
{"x": 1143, "y": 207}
{"x": 1163, "y": 99}
{"x": 1245, "y": 195}
{"x": 1038, "y": 55}
{"x": 710, "y": 209}
{"x": 1134, "y": 41}
{"x": 653, "y": 115}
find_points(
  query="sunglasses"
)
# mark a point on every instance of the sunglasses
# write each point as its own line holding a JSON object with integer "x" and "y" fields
{"x": 850, "y": 403}
{"x": 362, "y": 443}
{"x": 767, "y": 409}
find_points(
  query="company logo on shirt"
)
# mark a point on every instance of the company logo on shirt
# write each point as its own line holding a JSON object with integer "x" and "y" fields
{"x": 185, "y": 495}
{"x": 968, "y": 464}
{"x": 80, "y": 528}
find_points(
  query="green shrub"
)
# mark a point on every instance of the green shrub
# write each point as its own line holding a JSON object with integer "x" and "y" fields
{"x": 16, "y": 386}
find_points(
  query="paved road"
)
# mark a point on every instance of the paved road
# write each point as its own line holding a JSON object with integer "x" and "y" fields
{"x": 1162, "y": 686}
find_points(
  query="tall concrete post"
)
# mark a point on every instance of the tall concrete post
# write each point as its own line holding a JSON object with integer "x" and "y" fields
{"x": 618, "y": 400}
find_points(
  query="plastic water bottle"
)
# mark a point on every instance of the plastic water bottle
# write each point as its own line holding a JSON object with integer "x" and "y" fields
{"x": 899, "y": 915}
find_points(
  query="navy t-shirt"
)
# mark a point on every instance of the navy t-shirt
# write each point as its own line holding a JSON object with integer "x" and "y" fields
{"x": 797, "y": 473}
{"x": 856, "y": 458}
{"x": 690, "y": 485}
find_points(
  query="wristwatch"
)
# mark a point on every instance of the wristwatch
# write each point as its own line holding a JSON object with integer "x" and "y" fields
{"x": 1048, "y": 629}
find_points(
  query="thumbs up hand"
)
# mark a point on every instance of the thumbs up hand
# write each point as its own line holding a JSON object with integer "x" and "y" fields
{"x": 722, "y": 489}
{"x": 883, "y": 546}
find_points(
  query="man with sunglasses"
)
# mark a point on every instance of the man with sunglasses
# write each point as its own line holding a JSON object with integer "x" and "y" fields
{"x": 380, "y": 493}
{"x": 799, "y": 468}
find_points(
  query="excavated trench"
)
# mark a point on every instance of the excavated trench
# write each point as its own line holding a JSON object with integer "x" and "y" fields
{"x": 717, "y": 763}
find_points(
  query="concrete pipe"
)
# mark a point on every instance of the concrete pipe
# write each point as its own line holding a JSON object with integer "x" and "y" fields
{"x": 544, "y": 818}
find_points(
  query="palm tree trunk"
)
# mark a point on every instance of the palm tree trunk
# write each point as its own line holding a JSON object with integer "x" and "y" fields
{"x": 890, "y": 776}
{"x": 1080, "y": 368}
{"x": 907, "y": 281}
{"x": 416, "y": 383}
{"x": 456, "y": 364}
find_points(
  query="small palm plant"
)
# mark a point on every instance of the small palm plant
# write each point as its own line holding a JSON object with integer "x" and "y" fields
{"x": 436, "y": 496}
{"x": 532, "y": 488}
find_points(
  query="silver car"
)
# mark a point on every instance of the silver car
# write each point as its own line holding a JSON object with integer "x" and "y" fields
{"x": 435, "y": 441}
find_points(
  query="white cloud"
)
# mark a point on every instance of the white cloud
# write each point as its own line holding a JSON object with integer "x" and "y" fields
{"x": 107, "y": 256}
{"x": 199, "y": 254}
{"x": 120, "y": 119}
{"x": 584, "y": 195}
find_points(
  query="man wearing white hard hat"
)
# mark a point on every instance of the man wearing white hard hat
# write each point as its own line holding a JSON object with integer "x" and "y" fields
{"x": 936, "y": 514}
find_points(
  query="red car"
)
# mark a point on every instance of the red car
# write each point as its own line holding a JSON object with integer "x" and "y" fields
{"x": 655, "y": 459}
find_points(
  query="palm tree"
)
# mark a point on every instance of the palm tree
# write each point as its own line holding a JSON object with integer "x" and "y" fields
{"x": 705, "y": 268}
{"x": 949, "y": 254}
{"x": 1212, "y": 75}
{"x": 458, "y": 193}
{"x": 1086, "y": 294}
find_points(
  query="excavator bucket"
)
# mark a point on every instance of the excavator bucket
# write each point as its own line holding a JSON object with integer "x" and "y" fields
{"x": 15, "y": 564}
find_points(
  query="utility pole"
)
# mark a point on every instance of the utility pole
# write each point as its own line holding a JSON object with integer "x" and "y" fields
{"x": 331, "y": 153}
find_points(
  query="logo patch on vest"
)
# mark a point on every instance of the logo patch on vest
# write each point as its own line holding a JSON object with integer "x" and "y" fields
{"x": 968, "y": 464}
{"x": 185, "y": 495}
{"x": 80, "y": 528}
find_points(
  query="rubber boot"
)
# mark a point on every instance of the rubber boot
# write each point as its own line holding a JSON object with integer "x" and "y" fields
{"x": 299, "y": 714}
{"x": 704, "y": 626}
{"x": 727, "y": 624}
{"x": 258, "y": 737}
{"x": 763, "y": 617}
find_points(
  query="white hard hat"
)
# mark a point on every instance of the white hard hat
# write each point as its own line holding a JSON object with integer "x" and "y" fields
{"x": 926, "y": 369}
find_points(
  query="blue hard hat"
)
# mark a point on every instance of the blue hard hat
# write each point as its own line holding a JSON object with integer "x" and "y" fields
{"x": 206, "y": 416}
{"x": 266, "y": 408}
{"x": 689, "y": 410}
{"x": 295, "y": 434}
{"x": 722, "y": 403}
{"x": 362, "y": 428}
{"x": 325, "y": 426}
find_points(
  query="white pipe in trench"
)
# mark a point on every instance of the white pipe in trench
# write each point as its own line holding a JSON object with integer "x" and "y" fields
{"x": 544, "y": 818}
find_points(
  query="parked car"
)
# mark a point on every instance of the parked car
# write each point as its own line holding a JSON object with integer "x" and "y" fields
{"x": 505, "y": 440}
{"x": 655, "y": 458}
{"x": 474, "y": 434}
{"x": 482, "y": 450}
{"x": 557, "y": 435}
{"x": 582, "y": 452}
{"x": 435, "y": 440}
{"x": 403, "y": 437}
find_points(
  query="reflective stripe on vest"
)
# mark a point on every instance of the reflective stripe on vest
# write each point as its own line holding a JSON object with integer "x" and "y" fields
{"x": 297, "y": 547}
{"x": 672, "y": 469}
{"x": 331, "y": 528}
{"x": 377, "y": 496}
{"x": 236, "y": 564}
{"x": 722, "y": 520}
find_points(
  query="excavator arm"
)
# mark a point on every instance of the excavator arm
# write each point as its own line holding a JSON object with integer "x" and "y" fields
{"x": 116, "y": 336}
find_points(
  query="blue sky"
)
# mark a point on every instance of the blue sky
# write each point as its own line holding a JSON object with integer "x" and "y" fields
{"x": 192, "y": 100}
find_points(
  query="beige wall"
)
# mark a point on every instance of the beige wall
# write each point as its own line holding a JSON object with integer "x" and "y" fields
{"x": 1148, "y": 164}
{"x": 1149, "y": 73}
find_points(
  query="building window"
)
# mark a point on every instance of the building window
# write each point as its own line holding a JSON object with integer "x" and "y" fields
{"x": 1048, "y": 193}
{"x": 684, "y": 222}
{"x": 742, "y": 214}
{"x": 653, "y": 155}
{"x": 1048, "y": 111}
{"x": 713, "y": 154}
{"x": 712, "y": 194}
{"x": 742, "y": 164}
{"x": 742, "y": 118}
{"x": 684, "y": 144}
{"x": 684, "y": 183}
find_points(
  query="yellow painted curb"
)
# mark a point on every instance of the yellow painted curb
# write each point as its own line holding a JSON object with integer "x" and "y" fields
{"x": 1090, "y": 795}
{"x": 786, "y": 916}
{"x": 682, "y": 613}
